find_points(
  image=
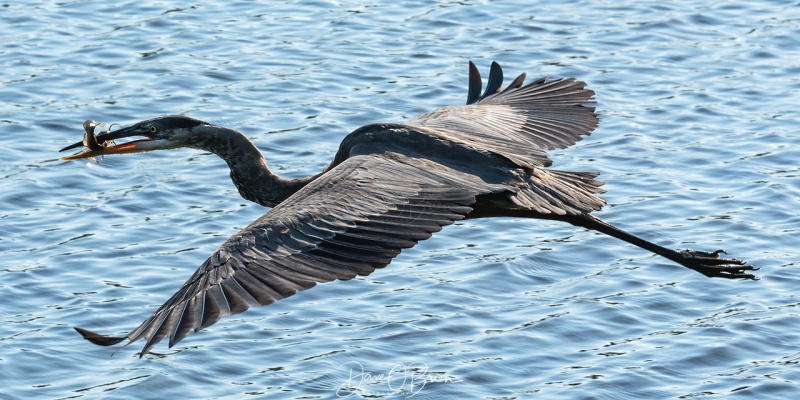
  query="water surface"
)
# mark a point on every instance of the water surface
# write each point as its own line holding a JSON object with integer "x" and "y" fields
{"x": 697, "y": 145}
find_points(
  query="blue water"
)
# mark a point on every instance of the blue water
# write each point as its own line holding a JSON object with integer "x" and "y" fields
{"x": 698, "y": 146}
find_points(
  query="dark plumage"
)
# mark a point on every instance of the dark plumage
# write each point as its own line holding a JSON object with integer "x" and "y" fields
{"x": 388, "y": 187}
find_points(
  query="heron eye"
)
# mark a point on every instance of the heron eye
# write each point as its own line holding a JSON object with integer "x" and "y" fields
{"x": 153, "y": 129}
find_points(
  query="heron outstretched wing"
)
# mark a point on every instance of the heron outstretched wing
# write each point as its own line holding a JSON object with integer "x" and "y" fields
{"x": 347, "y": 223}
{"x": 378, "y": 198}
{"x": 520, "y": 122}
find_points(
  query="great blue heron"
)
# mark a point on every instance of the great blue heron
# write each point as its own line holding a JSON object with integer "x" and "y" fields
{"x": 388, "y": 187}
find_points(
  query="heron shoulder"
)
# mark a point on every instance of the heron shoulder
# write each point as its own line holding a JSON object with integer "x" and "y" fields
{"x": 407, "y": 140}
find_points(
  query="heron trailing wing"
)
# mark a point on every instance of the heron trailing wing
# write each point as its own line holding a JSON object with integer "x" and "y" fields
{"x": 347, "y": 223}
{"x": 520, "y": 122}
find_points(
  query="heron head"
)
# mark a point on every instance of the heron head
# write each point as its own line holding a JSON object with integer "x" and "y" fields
{"x": 162, "y": 133}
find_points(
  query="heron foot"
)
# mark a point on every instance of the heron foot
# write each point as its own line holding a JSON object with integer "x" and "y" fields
{"x": 712, "y": 265}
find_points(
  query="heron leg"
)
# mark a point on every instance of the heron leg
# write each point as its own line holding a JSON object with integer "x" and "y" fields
{"x": 709, "y": 264}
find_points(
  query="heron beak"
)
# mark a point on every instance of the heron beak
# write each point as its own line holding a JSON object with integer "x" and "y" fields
{"x": 147, "y": 143}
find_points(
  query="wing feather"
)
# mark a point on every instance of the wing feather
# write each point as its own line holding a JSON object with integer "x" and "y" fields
{"x": 379, "y": 207}
{"x": 519, "y": 122}
{"x": 186, "y": 322}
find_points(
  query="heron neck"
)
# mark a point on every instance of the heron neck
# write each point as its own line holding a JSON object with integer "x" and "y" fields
{"x": 249, "y": 171}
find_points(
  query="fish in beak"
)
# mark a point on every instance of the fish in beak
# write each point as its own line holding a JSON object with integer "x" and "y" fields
{"x": 103, "y": 143}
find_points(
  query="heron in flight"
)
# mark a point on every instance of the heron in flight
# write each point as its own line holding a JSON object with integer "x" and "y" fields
{"x": 388, "y": 187}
